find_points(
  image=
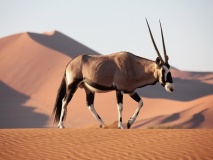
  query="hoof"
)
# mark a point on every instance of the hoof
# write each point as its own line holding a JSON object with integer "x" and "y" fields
{"x": 128, "y": 125}
{"x": 120, "y": 127}
{"x": 102, "y": 126}
{"x": 61, "y": 126}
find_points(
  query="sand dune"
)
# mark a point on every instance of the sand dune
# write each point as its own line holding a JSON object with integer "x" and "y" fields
{"x": 193, "y": 114}
{"x": 62, "y": 43}
{"x": 206, "y": 77}
{"x": 106, "y": 144}
{"x": 31, "y": 69}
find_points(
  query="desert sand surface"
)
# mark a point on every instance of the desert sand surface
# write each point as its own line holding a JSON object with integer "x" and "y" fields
{"x": 147, "y": 144}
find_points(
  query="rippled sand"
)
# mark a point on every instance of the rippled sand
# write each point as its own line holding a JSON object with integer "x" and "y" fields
{"x": 106, "y": 144}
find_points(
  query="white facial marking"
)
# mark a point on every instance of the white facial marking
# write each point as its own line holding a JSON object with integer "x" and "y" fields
{"x": 169, "y": 87}
{"x": 166, "y": 71}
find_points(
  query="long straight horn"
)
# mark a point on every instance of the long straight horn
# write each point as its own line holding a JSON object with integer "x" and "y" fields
{"x": 164, "y": 48}
{"x": 153, "y": 41}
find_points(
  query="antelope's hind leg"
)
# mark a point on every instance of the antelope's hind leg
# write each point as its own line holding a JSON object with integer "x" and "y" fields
{"x": 138, "y": 99}
{"x": 69, "y": 94}
{"x": 63, "y": 111}
{"x": 90, "y": 104}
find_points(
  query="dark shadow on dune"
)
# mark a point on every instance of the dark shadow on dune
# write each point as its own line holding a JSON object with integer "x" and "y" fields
{"x": 145, "y": 121}
{"x": 176, "y": 116}
{"x": 185, "y": 90}
{"x": 196, "y": 120}
{"x": 62, "y": 43}
{"x": 171, "y": 118}
{"x": 12, "y": 112}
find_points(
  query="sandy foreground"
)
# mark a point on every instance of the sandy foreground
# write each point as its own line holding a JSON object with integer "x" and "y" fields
{"x": 106, "y": 144}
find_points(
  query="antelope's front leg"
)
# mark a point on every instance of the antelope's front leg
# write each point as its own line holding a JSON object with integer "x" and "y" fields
{"x": 90, "y": 105}
{"x": 138, "y": 99}
{"x": 119, "y": 96}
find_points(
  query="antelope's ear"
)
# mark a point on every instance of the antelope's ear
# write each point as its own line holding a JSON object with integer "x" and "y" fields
{"x": 158, "y": 62}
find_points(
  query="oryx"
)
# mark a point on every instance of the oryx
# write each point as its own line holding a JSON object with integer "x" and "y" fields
{"x": 122, "y": 72}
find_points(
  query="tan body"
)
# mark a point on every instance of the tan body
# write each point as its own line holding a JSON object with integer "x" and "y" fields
{"x": 122, "y": 70}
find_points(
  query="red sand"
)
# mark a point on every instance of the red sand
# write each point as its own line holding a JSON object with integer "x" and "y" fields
{"x": 93, "y": 144}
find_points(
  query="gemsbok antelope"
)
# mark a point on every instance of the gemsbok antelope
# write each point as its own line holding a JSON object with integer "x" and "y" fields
{"x": 122, "y": 72}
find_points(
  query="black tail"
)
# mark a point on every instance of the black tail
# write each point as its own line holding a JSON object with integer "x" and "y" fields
{"x": 58, "y": 103}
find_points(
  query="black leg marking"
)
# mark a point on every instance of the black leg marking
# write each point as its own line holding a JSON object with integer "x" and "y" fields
{"x": 69, "y": 94}
{"x": 119, "y": 97}
{"x": 90, "y": 101}
{"x": 71, "y": 89}
{"x": 90, "y": 98}
{"x": 99, "y": 117}
{"x": 74, "y": 84}
{"x": 137, "y": 113}
{"x": 136, "y": 97}
{"x": 128, "y": 125}
{"x": 120, "y": 119}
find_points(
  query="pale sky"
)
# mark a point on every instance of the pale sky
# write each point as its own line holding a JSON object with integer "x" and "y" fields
{"x": 109, "y": 26}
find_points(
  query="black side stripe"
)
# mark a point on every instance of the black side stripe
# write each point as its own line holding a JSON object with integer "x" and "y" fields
{"x": 98, "y": 86}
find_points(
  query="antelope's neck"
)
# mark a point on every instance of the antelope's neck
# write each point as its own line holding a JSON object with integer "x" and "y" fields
{"x": 149, "y": 75}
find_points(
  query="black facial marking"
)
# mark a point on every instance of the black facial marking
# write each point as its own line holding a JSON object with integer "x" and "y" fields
{"x": 169, "y": 78}
{"x": 90, "y": 98}
{"x": 119, "y": 97}
{"x": 163, "y": 78}
{"x": 136, "y": 97}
